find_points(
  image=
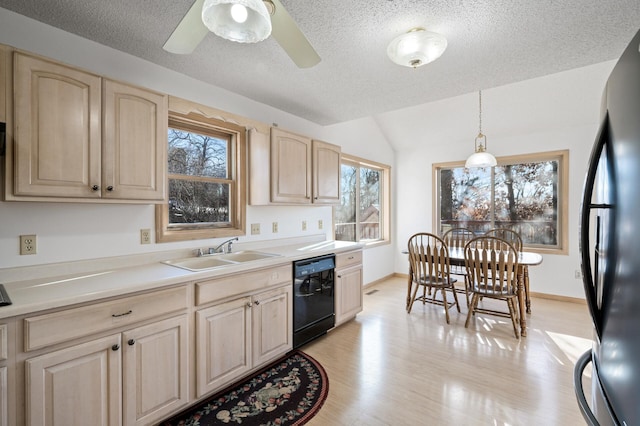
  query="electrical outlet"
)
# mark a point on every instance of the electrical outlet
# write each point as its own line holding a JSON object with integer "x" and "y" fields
{"x": 578, "y": 274}
{"x": 145, "y": 236}
{"x": 320, "y": 224}
{"x": 274, "y": 227}
{"x": 255, "y": 229}
{"x": 304, "y": 225}
{"x": 28, "y": 244}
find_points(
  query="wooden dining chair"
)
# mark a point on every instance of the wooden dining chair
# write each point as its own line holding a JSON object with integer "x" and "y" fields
{"x": 515, "y": 239}
{"x": 492, "y": 268}
{"x": 509, "y": 235}
{"x": 456, "y": 238}
{"x": 430, "y": 269}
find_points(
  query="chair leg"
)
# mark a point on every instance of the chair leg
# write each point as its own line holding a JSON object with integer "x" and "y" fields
{"x": 512, "y": 311}
{"x": 446, "y": 305}
{"x": 455, "y": 296}
{"x": 413, "y": 298}
{"x": 474, "y": 303}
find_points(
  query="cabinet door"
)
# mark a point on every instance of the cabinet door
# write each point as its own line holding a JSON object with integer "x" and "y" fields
{"x": 348, "y": 293}
{"x": 134, "y": 143}
{"x": 223, "y": 345}
{"x": 4, "y": 421}
{"x": 326, "y": 173}
{"x": 155, "y": 371}
{"x": 57, "y": 130}
{"x": 272, "y": 324}
{"x": 290, "y": 168}
{"x": 76, "y": 386}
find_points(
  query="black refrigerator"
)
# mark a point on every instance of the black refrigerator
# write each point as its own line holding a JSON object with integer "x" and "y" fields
{"x": 610, "y": 252}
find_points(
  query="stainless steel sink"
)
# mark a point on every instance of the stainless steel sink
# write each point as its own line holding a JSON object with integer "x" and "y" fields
{"x": 219, "y": 260}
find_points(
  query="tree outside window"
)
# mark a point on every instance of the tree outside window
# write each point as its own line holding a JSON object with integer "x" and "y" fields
{"x": 525, "y": 193}
{"x": 361, "y": 217}
{"x": 206, "y": 198}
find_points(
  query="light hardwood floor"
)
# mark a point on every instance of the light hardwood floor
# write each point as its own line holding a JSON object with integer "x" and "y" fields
{"x": 388, "y": 367}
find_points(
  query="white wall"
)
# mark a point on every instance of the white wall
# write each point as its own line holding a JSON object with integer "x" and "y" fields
{"x": 559, "y": 111}
{"x": 555, "y": 112}
{"x": 67, "y": 232}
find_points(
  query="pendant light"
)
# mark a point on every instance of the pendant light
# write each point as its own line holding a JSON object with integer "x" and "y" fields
{"x": 243, "y": 21}
{"x": 481, "y": 158}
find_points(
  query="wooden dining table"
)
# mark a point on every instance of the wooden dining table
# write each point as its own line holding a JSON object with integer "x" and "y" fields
{"x": 525, "y": 259}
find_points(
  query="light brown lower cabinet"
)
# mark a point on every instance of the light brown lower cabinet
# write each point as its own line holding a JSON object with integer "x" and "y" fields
{"x": 234, "y": 337}
{"x": 348, "y": 294}
{"x": 131, "y": 378}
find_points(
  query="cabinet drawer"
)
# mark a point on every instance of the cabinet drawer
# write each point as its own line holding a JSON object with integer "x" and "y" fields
{"x": 3, "y": 342}
{"x": 218, "y": 289}
{"x": 349, "y": 258}
{"x": 57, "y": 327}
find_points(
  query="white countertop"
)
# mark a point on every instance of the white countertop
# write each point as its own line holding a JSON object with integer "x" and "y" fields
{"x": 33, "y": 289}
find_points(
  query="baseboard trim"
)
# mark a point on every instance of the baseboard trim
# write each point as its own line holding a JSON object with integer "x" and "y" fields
{"x": 533, "y": 294}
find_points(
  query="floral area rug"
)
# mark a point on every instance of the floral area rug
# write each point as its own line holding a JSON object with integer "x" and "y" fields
{"x": 289, "y": 392}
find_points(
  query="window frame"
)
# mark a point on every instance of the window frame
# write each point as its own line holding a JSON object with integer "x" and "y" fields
{"x": 237, "y": 136}
{"x": 562, "y": 156}
{"x": 385, "y": 196}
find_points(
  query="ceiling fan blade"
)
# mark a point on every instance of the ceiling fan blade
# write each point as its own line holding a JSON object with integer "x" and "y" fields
{"x": 291, "y": 39}
{"x": 189, "y": 32}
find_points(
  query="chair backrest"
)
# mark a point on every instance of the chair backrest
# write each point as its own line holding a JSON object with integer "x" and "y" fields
{"x": 428, "y": 257}
{"x": 492, "y": 265}
{"x": 456, "y": 238}
{"x": 509, "y": 235}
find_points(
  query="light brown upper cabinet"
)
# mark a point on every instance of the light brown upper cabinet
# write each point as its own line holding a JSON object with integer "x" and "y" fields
{"x": 78, "y": 137}
{"x": 288, "y": 168}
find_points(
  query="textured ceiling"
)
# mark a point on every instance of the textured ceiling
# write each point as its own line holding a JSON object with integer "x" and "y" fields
{"x": 491, "y": 43}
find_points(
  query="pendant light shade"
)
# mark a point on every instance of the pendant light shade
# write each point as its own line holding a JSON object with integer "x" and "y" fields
{"x": 416, "y": 47}
{"x": 480, "y": 158}
{"x": 243, "y": 21}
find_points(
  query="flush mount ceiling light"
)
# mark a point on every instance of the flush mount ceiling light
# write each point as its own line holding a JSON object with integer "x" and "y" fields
{"x": 416, "y": 47}
{"x": 481, "y": 158}
{"x": 243, "y": 21}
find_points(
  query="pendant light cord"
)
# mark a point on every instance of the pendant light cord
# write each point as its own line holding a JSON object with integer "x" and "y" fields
{"x": 480, "y": 111}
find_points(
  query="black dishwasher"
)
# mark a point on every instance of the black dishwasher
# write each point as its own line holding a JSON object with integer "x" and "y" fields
{"x": 313, "y": 305}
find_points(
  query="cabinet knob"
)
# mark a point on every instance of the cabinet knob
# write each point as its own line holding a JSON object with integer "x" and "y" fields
{"x": 131, "y": 342}
{"x": 249, "y": 304}
{"x": 95, "y": 187}
{"x": 109, "y": 188}
{"x": 115, "y": 347}
{"x": 257, "y": 302}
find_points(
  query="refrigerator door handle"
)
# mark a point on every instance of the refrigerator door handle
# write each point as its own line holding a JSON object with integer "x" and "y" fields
{"x": 581, "y": 364}
{"x": 587, "y": 206}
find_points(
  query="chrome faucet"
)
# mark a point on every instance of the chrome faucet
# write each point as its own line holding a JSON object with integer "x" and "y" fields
{"x": 220, "y": 248}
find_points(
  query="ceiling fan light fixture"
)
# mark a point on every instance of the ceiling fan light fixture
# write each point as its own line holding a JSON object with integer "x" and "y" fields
{"x": 416, "y": 47}
{"x": 242, "y": 21}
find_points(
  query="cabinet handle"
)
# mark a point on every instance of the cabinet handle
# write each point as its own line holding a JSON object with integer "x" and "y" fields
{"x": 95, "y": 187}
{"x": 131, "y": 342}
{"x": 109, "y": 188}
{"x": 350, "y": 258}
{"x": 339, "y": 276}
{"x": 249, "y": 304}
{"x": 257, "y": 302}
{"x": 122, "y": 314}
{"x": 115, "y": 347}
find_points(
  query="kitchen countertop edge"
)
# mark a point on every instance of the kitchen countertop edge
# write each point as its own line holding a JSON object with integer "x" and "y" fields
{"x": 43, "y": 293}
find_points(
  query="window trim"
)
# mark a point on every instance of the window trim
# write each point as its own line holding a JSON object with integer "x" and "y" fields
{"x": 237, "y": 173}
{"x": 385, "y": 193}
{"x": 562, "y": 156}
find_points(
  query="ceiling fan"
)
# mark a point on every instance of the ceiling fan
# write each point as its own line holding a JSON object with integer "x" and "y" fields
{"x": 192, "y": 30}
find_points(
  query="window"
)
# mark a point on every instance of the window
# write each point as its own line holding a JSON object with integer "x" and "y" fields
{"x": 527, "y": 193}
{"x": 363, "y": 215}
{"x": 205, "y": 179}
